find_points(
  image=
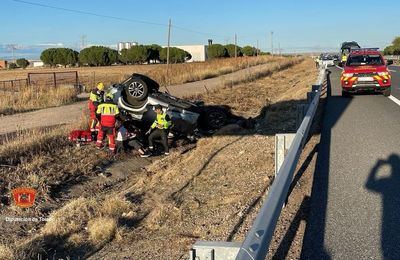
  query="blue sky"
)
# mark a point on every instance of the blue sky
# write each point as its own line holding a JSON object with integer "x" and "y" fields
{"x": 298, "y": 25}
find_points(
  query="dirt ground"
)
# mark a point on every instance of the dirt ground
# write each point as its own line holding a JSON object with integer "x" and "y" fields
{"x": 208, "y": 191}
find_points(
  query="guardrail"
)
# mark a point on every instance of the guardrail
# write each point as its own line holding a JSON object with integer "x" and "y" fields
{"x": 257, "y": 241}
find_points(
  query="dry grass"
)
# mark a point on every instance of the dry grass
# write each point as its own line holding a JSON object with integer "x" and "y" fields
{"x": 248, "y": 99}
{"x": 178, "y": 73}
{"x": 24, "y": 145}
{"x": 182, "y": 73}
{"x": 114, "y": 207}
{"x": 71, "y": 218}
{"x": 32, "y": 98}
{"x": 101, "y": 230}
{"x": 6, "y": 253}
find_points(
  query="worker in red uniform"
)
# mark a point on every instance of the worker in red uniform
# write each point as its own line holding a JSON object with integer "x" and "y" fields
{"x": 108, "y": 112}
{"x": 95, "y": 98}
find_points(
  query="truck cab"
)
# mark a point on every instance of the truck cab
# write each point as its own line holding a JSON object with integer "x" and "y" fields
{"x": 365, "y": 70}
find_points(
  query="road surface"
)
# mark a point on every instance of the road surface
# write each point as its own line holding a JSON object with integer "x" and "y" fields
{"x": 355, "y": 204}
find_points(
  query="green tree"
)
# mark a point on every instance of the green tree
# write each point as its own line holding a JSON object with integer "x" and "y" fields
{"x": 249, "y": 51}
{"x": 62, "y": 56}
{"x": 123, "y": 57}
{"x": 48, "y": 56}
{"x": 23, "y": 63}
{"x": 153, "y": 52}
{"x": 112, "y": 56}
{"x": 176, "y": 55}
{"x": 230, "y": 48}
{"x": 389, "y": 50}
{"x": 136, "y": 54}
{"x": 217, "y": 51}
{"x": 98, "y": 56}
{"x": 393, "y": 49}
{"x": 396, "y": 42}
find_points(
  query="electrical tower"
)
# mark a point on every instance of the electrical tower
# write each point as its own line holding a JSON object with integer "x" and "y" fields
{"x": 272, "y": 43}
{"x": 83, "y": 38}
{"x": 12, "y": 48}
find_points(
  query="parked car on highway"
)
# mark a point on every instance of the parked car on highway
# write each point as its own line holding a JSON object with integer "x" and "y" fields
{"x": 137, "y": 95}
{"x": 326, "y": 60}
{"x": 366, "y": 70}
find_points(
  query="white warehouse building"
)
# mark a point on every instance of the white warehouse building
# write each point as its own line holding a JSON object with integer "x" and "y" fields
{"x": 198, "y": 52}
{"x": 125, "y": 45}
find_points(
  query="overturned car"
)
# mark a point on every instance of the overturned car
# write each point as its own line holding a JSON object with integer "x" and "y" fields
{"x": 137, "y": 95}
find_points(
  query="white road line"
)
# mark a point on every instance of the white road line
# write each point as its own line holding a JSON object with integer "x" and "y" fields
{"x": 338, "y": 67}
{"x": 392, "y": 70}
{"x": 395, "y": 100}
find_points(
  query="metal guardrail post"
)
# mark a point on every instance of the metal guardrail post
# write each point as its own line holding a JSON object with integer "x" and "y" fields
{"x": 256, "y": 243}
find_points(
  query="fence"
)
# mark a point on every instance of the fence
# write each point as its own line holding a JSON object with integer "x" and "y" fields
{"x": 53, "y": 79}
{"x": 13, "y": 85}
{"x": 256, "y": 243}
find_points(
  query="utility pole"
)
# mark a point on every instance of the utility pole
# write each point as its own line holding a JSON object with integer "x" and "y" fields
{"x": 257, "y": 48}
{"x": 169, "y": 42}
{"x": 279, "y": 48}
{"x": 235, "y": 46}
{"x": 272, "y": 43}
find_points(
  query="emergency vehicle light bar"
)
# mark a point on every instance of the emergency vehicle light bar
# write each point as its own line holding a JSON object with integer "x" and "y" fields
{"x": 364, "y": 49}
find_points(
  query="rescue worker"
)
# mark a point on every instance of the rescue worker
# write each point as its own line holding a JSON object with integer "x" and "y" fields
{"x": 159, "y": 130}
{"x": 128, "y": 139}
{"x": 108, "y": 112}
{"x": 95, "y": 98}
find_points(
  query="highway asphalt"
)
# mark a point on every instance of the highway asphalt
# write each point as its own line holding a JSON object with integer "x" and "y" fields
{"x": 355, "y": 202}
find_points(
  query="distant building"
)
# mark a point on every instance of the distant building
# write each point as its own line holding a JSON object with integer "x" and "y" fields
{"x": 3, "y": 64}
{"x": 198, "y": 52}
{"x": 125, "y": 45}
{"x": 37, "y": 64}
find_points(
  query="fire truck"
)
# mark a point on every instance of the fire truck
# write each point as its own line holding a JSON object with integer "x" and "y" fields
{"x": 366, "y": 70}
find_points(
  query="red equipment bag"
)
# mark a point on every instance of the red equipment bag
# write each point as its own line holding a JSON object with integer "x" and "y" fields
{"x": 80, "y": 136}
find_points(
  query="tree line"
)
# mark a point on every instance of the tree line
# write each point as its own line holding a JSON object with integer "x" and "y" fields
{"x": 223, "y": 51}
{"x": 394, "y": 48}
{"x": 138, "y": 54}
{"x": 105, "y": 56}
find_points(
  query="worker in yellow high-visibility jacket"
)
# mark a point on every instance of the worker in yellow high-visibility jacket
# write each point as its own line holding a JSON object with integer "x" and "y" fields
{"x": 95, "y": 98}
{"x": 159, "y": 130}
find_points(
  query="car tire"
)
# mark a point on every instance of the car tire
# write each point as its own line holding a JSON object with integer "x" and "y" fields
{"x": 136, "y": 90}
{"x": 345, "y": 94}
{"x": 387, "y": 92}
{"x": 214, "y": 118}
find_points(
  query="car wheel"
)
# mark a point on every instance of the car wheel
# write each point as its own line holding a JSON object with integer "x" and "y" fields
{"x": 136, "y": 90}
{"x": 214, "y": 118}
{"x": 345, "y": 94}
{"x": 387, "y": 92}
